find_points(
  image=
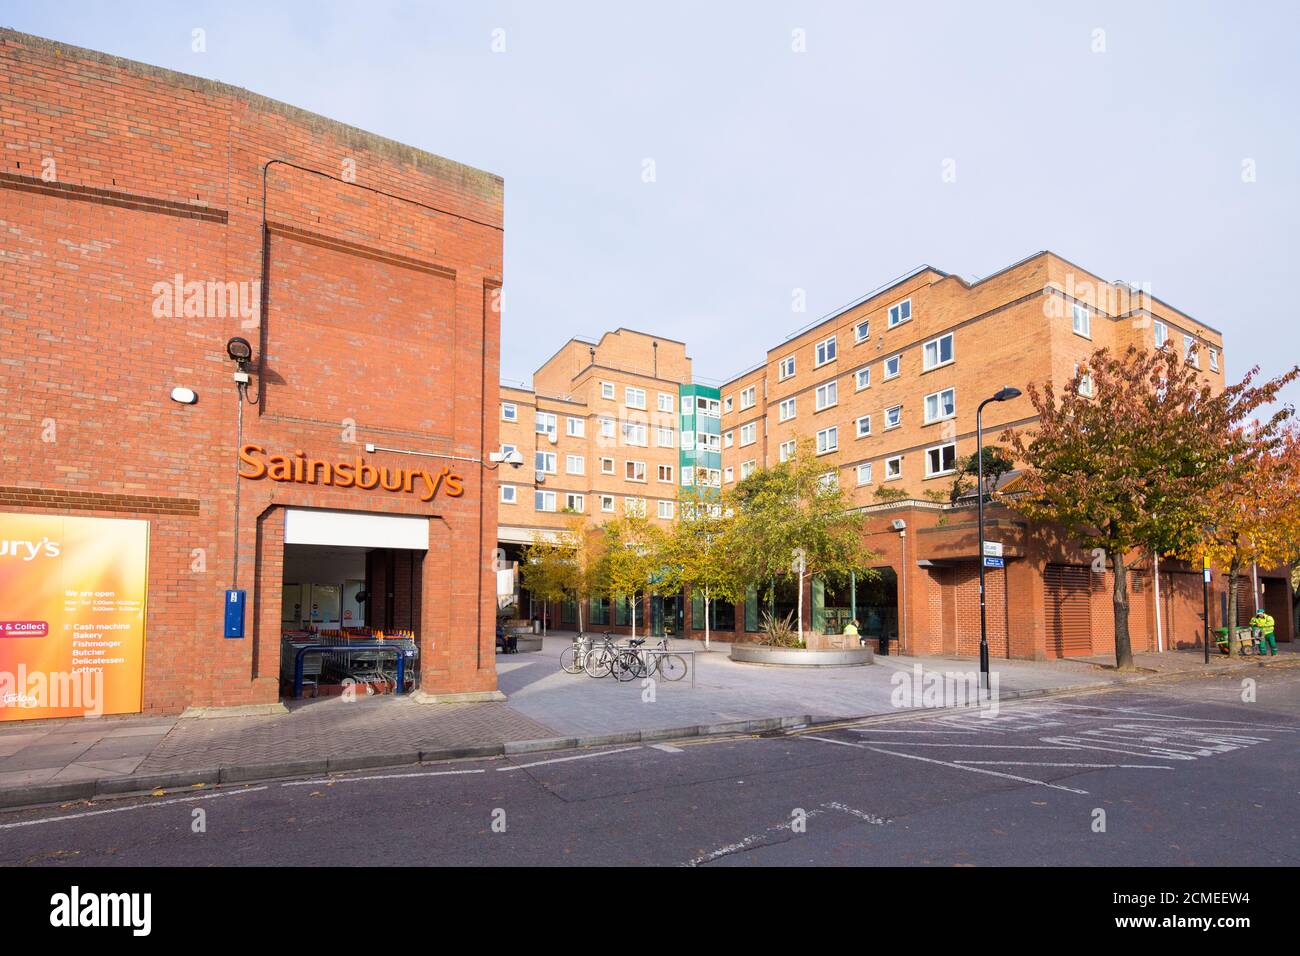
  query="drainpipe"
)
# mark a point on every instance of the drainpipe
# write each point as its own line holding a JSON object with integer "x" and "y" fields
{"x": 1155, "y": 562}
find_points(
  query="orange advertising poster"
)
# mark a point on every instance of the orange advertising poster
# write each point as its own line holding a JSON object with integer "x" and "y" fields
{"x": 72, "y": 613}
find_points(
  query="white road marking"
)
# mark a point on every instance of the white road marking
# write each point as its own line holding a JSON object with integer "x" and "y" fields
{"x": 666, "y": 748}
{"x": 1091, "y": 766}
{"x": 885, "y": 730}
{"x": 378, "y": 776}
{"x": 926, "y": 743}
{"x": 542, "y": 763}
{"x": 753, "y": 838}
{"x": 945, "y": 763}
{"x": 136, "y": 806}
{"x": 1146, "y": 714}
{"x": 860, "y": 814}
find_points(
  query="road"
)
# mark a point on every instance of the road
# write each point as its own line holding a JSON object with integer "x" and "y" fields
{"x": 1172, "y": 774}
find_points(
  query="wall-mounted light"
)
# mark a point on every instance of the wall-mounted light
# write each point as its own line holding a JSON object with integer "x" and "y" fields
{"x": 185, "y": 396}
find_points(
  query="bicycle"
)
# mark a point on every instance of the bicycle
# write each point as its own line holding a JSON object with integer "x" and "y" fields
{"x": 599, "y": 661}
{"x": 574, "y": 657}
{"x": 636, "y": 661}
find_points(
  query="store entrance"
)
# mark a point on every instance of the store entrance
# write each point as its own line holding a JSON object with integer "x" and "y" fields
{"x": 352, "y": 598}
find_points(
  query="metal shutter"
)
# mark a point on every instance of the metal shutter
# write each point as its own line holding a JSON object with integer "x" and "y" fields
{"x": 1069, "y": 615}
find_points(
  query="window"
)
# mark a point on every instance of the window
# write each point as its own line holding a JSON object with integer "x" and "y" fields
{"x": 893, "y": 468}
{"x": 607, "y": 428}
{"x": 828, "y": 439}
{"x": 711, "y": 477}
{"x": 666, "y": 402}
{"x": 827, "y": 395}
{"x": 728, "y": 475}
{"x": 940, "y": 460}
{"x": 634, "y": 506}
{"x": 727, "y": 404}
{"x": 747, "y": 468}
{"x": 1189, "y": 343}
{"x": 893, "y": 416}
{"x": 665, "y": 437}
{"x": 633, "y": 397}
{"x": 665, "y": 509}
{"x": 1085, "y": 382}
{"x": 688, "y": 476}
{"x": 607, "y": 466}
{"x": 544, "y": 500}
{"x": 940, "y": 405}
{"x": 787, "y": 409}
{"x": 607, "y": 390}
{"x": 545, "y": 462}
{"x": 727, "y": 440}
{"x": 748, "y": 434}
{"x": 1161, "y": 333}
{"x": 863, "y": 426}
{"x": 666, "y": 473}
{"x": 575, "y": 465}
{"x": 747, "y": 397}
{"x": 825, "y": 352}
{"x": 635, "y": 433}
{"x": 938, "y": 351}
{"x": 893, "y": 366}
{"x": 509, "y": 494}
{"x": 864, "y": 473}
{"x": 634, "y": 470}
{"x": 900, "y": 313}
{"x": 575, "y": 503}
{"x": 829, "y": 481}
{"x": 862, "y": 379}
{"x": 1214, "y": 359}
{"x": 545, "y": 424}
{"x": 607, "y": 504}
{"x": 688, "y": 405}
{"x": 787, "y": 450}
{"x": 575, "y": 427}
{"x": 861, "y": 331}
{"x": 707, "y": 406}
{"x": 509, "y": 412}
{"x": 785, "y": 368}
{"x": 1082, "y": 320}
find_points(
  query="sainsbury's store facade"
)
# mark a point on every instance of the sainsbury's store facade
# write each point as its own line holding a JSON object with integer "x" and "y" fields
{"x": 147, "y": 222}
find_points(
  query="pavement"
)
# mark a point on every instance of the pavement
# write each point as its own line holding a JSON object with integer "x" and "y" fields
{"x": 1183, "y": 772}
{"x": 546, "y": 709}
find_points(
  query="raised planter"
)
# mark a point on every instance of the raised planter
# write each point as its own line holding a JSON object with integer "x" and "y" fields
{"x": 530, "y": 643}
{"x": 800, "y": 657}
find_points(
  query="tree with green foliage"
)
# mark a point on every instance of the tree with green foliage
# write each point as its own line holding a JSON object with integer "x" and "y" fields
{"x": 546, "y": 570}
{"x": 796, "y": 507}
{"x": 1132, "y": 461}
{"x": 699, "y": 555}
{"x": 634, "y": 557}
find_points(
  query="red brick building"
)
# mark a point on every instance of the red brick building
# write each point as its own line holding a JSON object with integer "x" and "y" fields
{"x": 146, "y": 219}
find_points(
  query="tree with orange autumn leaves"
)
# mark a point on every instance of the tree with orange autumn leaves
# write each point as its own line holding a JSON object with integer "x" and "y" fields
{"x": 1133, "y": 453}
{"x": 1254, "y": 518}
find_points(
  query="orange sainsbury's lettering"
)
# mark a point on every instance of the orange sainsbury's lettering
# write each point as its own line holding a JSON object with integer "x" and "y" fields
{"x": 357, "y": 473}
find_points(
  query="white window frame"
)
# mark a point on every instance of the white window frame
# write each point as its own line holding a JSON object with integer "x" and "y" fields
{"x": 509, "y": 494}
{"x": 545, "y": 423}
{"x": 569, "y": 468}
{"x": 542, "y": 458}
{"x": 1161, "y": 333}
{"x": 858, "y": 429}
{"x": 728, "y": 474}
{"x": 1081, "y": 320}
{"x": 1214, "y": 359}
{"x": 896, "y": 317}
{"x": 894, "y": 460}
{"x": 862, "y": 378}
{"x": 897, "y": 424}
{"x": 665, "y": 437}
{"x": 607, "y": 504}
{"x": 541, "y": 498}
{"x": 728, "y": 403}
{"x": 663, "y": 470}
{"x": 748, "y": 397}
{"x": 825, "y": 351}
{"x": 932, "y": 473}
{"x": 728, "y": 439}
{"x": 607, "y": 390}
{"x": 788, "y": 409}
{"x": 608, "y": 466}
{"x": 751, "y": 430}
{"x": 608, "y": 428}
{"x": 864, "y": 473}
{"x": 575, "y": 502}
{"x": 939, "y": 361}
{"x": 665, "y": 509}
{"x": 636, "y": 434}
{"x": 940, "y": 415}
{"x": 1189, "y": 342}
{"x": 509, "y": 412}
{"x": 828, "y": 440}
{"x": 747, "y": 468}
{"x": 786, "y": 368}
{"x": 634, "y": 506}
{"x": 631, "y": 468}
{"x": 862, "y": 331}
{"x": 898, "y": 367}
{"x": 575, "y": 427}
{"x": 787, "y": 450}
{"x": 666, "y": 402}
{"x": 634, "y": 397}
{"x": 1085, "y": 383}
{"x": 827, "y": 395}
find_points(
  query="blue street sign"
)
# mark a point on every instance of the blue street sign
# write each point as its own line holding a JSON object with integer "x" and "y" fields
{"x": 993, "y": 562}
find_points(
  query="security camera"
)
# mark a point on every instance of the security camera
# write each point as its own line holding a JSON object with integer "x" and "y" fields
{"x": 512, "y": 458}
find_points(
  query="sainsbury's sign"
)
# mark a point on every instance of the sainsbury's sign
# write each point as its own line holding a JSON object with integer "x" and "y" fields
{"x": 256, "y": 464}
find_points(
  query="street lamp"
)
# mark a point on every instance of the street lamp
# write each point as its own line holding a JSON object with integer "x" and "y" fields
{"x": 1005, "y": 394}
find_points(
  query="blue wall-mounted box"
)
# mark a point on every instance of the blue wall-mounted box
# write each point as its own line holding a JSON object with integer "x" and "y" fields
{"x": 235, "y": 613}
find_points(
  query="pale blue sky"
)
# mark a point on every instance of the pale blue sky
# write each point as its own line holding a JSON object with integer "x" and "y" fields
{"x": 819, "y": 170}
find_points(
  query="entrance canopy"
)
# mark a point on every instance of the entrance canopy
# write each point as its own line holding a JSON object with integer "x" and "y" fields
{"x": 355, "y": 529}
